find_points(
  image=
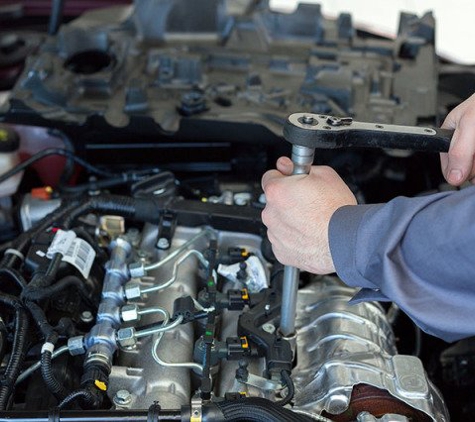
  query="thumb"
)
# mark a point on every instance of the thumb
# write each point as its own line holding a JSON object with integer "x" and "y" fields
{"x": 458, "y": 163}
{"x": 285, "y": 166}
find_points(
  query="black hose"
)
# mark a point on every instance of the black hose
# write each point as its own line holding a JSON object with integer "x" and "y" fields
{"x": 118, "y": 180}
{"x": 14, "y": 276}
{"x": 256, "y": 409}
{"x": 3, "y": 339}
{"x": 141, "y": 209}
{"x": 41, "y": 280}
{"x": 122, "y": 205}
{"x": 87, "y": 395}
{"x": 54, "y": 386}
{"x": 68, "y": 145}
{"x": 40, "y": 319}
{"x": 36, "y": 294}
{"x": 17, "y": 356}
{"x": 287, "y": 381}
{"x": 54, "y": 151}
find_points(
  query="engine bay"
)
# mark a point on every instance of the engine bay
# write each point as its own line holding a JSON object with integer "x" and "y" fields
{"x": 137, "y": 282}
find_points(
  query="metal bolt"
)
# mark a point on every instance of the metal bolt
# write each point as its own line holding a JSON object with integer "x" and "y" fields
{"x": 130, "y": 312}
{"x": 338, "y": 403}
{"x": 137, "y": 270}
{"x": 269, "y": 328}
{"x": 87, "y": 317}
{"x": 122, "y": 398}
{"x": 76, "y": 345}
{"x": 163, "y": 243}
{"x": 365, "y": 417}
{"x": 133, "y": 235}
{"x": 308, "y": 120}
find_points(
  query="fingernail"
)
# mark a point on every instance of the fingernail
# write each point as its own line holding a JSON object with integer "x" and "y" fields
{"x": 455, "y": 176}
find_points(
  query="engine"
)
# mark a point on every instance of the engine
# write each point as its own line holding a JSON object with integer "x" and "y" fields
{"x": 188, "y": 317}
{"x": 137, "y": 282}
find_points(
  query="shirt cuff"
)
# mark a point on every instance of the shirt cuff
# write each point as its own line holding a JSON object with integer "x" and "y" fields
{"x": 343, "y": 236}
{"x": 368, "y": 295}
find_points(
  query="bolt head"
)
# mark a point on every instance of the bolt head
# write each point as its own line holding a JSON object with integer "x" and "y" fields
{"x": 76, "y": 346}
{"x": 269, "y": 328}
{"x": 86, "y": 316}
{"x": 130, "y": 313}
{"x": 126, "y": 337}
{"x": 337, "y": 403}
{"x": 132, "y": 290}
{"x": 163, "y": 243}
{"x": 137, "y": 270}
{"x": 123, "y": 397}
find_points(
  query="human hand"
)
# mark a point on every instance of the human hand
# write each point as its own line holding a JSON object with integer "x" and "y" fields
{"x": 458, "y": 165}
{"x": 298, "y": 212}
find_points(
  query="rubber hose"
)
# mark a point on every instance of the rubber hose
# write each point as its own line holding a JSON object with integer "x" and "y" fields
{"x": 42, "y": 280}
{"x": 68, "y": 146}
{"x": 141, "y": 209}
{"x": 39, "y": 293}
{"x": 40, "y": 319}
{"x": 290, "y": 389}
{"x": 3, "y": 338}
{"x": 120, "y": 205}
{"x": 18, "y": 353}
{"x": 54, "y": 386}
{"x": 86, "y": 394}
{"x": 256, "y": 409}
{"x": 14, "y": 276}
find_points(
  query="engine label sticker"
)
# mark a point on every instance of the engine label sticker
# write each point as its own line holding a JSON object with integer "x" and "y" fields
{"x": 61, "y": 243}
{"x": 80, "y": 255}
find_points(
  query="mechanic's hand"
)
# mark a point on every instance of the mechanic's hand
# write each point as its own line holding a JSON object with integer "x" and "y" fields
{"x": 298, "y": 213}
{"x": 458, "y": 165}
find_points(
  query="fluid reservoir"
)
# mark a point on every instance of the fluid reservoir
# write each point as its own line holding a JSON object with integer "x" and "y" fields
{"x": 9, "y": 158}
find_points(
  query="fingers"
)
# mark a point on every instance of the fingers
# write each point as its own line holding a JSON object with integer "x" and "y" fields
{"x": 284, "y": 168}
{"x": 269, "y": 177}
{"x": 285, "y": 165}
{"x": 458, "y": 165}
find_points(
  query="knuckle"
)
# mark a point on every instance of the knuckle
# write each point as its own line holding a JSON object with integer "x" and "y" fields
{"x": 265, "y": 216}
{"x": 272, "y": 191}
{"x": 459, "y": 152}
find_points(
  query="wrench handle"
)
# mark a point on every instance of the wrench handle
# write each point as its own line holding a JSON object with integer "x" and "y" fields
{"x": 318, "y": 131}
{"x": 302, "y": 158}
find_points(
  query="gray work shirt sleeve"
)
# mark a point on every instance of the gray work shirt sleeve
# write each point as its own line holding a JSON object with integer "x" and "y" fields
{"x": 417, "y": 252}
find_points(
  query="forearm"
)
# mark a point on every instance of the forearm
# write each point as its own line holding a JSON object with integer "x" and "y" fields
{"x": 417, "y": 251}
